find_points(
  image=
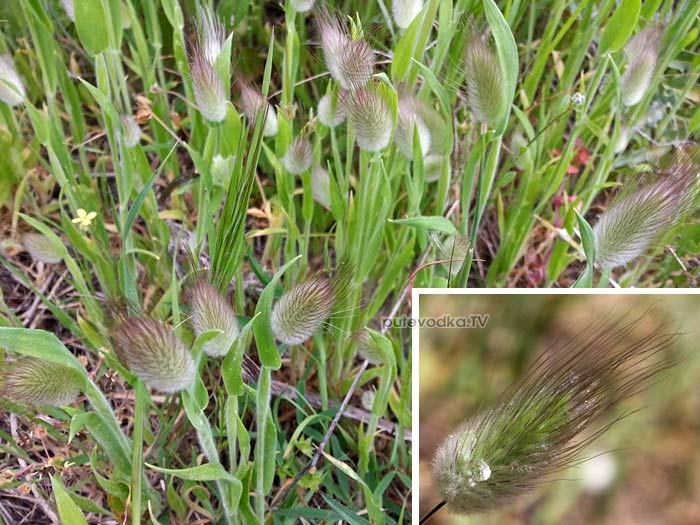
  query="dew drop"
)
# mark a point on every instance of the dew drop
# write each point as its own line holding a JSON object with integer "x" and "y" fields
{"x": 482, "y": 472}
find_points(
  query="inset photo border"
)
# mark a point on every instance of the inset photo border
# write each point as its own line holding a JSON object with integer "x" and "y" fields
{"x": 555, "y": 406}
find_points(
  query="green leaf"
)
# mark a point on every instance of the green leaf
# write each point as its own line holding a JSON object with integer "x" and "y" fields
{"x": 507, "y": 55}
{"x": 231, "y": 371}
{"x": 206, "y": 472}
{"x": 373, "y": 508}
{"x": 67, "y": 509}
{"x": 344, "y": 512}
{"x": 412, "y": 43}
{"x": 264, "y": 340}
{"x": 428, "y": 223}
{"x": 620, "y": 26}
{"x": 38, "y": 343}
{"x": 91, "y": 25}
{"x": 101, "y": 433}
{"x": 587, "y": 238}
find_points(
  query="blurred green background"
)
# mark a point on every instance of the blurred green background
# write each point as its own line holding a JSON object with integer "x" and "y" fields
{"x": 650, "y": 473}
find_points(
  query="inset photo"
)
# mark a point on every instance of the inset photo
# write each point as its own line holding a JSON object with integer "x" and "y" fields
{"x": 557, "y": 408}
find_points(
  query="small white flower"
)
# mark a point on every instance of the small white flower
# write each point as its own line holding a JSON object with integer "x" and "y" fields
{"x": 578, "y": 99}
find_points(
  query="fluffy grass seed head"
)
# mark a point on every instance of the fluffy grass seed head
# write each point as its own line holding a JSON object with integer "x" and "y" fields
{"x": 432, "y": 167}
{"x": 637, "y": 220}
{"x": 298, "y": 157}
{"x": 349, "y": 61}
{"x": 209, "y": 93}
{"x": 211, "y": 311}
{"x": 642, "y": 52}
{"x": 301, "y": 311}
{"x": 38, "y": 382}
{"x": 321, "y": 186}
{"x": 503, "y": 452}
{"x": 12, "y": 90}
{"x": 42, "y": 248}
{"x": 303, "y": 6}
{"x": 404, "y": 11}
{"x": 251, "y": 102}
{"x": 210, "y": 32}
{"x": 485, "y": 93}
{"x": 371, "y": 119}
{"x": 68, "y": 8}
{"x": 409, "y": 119}
{"x": 131, "y": 131}
{"x": 454, "y": 249}
{"x": 372, "y": 346}
{"x": 327, "y": 115}
{"x": 151, "y": 351}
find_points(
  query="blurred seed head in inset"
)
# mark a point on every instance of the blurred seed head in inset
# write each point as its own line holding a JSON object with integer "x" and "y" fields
{"x": 404, "y": 11}
{"x": 43, "y": 248}
{"x": 371, "y": 119}
{"x": 642, "y": 52}
{"x": 211, "y": 311}
{"x": 12, "y": 90}
{"x": 537, "y": 426}
{"x": 641, "y": 217}
{"x": 38, "y": 382}
{"x": 298, "y": 157}
{"x": 153, "y": 353}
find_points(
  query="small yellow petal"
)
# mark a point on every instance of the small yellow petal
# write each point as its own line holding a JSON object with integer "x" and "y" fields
{"x": 76, "y": 220}
{"x": 81, "y": 213}
{"x": 91, "y": 215}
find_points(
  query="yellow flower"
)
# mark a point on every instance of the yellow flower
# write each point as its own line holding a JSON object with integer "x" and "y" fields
{"x": 84, "y": 219}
